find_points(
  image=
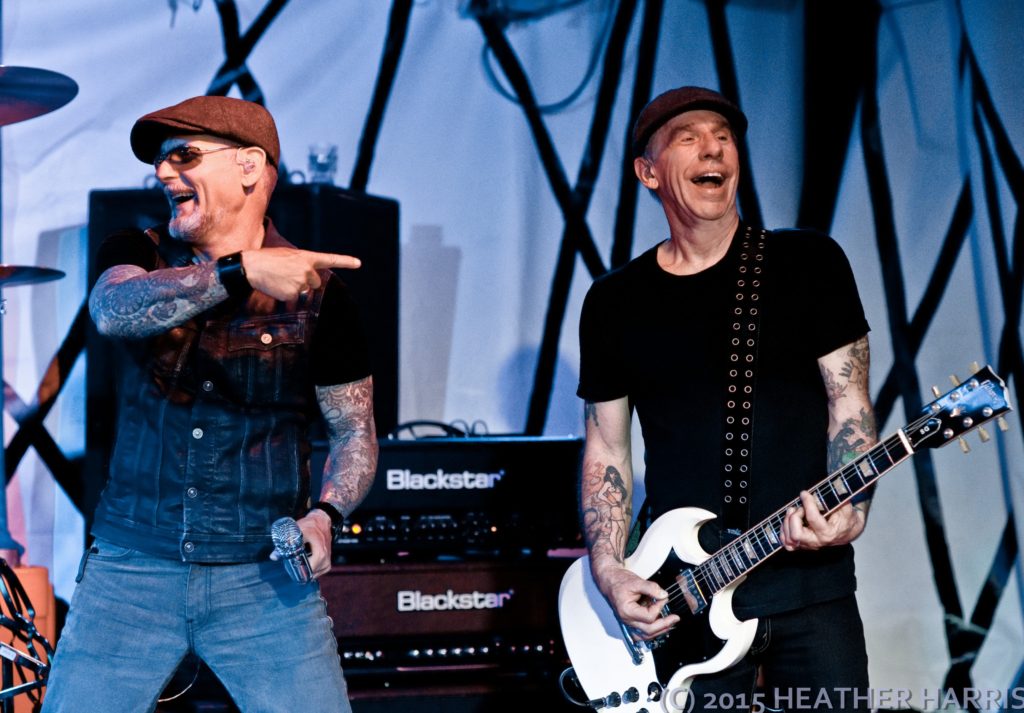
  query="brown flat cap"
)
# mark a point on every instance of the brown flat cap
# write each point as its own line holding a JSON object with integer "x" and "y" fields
{"x": 674, "y": 102}
{"x": 238, "y": 120}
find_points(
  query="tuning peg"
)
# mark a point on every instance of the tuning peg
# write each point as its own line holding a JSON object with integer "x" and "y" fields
{"x": 983, "y": 434}
{"x": 935, "y": 390}
{"x": 954, "y": 379}
{"x": 1003, "y": 425}
{"x": 963, "y": 445}
{"x": 975, "y": 367}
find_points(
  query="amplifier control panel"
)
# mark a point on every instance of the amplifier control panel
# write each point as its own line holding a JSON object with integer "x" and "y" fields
{"x": 465, "y": 496}
{"x": 439, "y": 533}
{"x": 371, "y": 663}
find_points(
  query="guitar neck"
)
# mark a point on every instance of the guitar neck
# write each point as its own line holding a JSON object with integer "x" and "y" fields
{"x": 765, "y": 539}
{"x": 979, "y": 399}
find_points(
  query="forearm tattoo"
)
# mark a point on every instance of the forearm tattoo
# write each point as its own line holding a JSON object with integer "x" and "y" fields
{"x": 128, "y": 302}
{"x": 352, "y": 459}
{"x": 854, "y": 434}
{"x": 607, "y": 511}
{"x": 590, "y": 412}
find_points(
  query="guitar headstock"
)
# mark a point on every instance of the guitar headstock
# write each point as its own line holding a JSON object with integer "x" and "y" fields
{"x": 967, "y": 406}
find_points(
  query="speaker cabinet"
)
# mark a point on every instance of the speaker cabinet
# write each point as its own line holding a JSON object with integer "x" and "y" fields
{"x": 450, "y": 637}
{"x": 471, "y": 632}
{"x": 312, "y": 216}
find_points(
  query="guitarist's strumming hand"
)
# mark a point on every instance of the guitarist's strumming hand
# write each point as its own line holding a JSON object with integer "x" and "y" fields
{"x": 637, "y": 601}
{"x": 805, "y": 528}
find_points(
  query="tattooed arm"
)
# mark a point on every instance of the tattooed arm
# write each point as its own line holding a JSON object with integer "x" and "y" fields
{"x": 351, "y": 461}
{"x": 606, "y": 492}
{"x": 606, "y": 486}
{"x": 132, "y": 303}
{"x": 851, "y": 431}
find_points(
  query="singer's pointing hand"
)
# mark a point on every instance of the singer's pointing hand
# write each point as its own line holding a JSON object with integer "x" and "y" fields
{"x": 316, "y": 531}
{"x": 285, "y": 273}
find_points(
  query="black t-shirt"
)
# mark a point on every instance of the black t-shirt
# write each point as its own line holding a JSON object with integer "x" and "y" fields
{"x": 338, "y": 352}
{"x": 661, "y": 340}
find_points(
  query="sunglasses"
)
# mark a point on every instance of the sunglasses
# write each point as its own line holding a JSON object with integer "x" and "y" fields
{"x": 185, "y": 155}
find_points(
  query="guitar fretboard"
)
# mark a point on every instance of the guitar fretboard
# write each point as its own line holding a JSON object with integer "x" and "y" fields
{"x": 765, "y": 539}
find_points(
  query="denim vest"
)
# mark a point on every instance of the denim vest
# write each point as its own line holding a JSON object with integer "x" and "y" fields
{"x": 212, "y": 442}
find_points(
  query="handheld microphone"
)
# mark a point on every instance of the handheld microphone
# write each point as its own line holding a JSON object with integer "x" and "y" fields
{"x": 291, "y": 549}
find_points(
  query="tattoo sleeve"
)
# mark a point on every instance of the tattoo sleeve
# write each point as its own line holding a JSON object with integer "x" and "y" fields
{"x": 852, "y": 427}
{"x": 606, "y": 511}
{"x": 855, "y": 436}
{"x": 352, "y": 458}
{"x": 131, "y": 303}
{"x": 606, "y": 482}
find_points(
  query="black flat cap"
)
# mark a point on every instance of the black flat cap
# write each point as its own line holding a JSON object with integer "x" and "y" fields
{"x": 674, "y": 102}
{"x": 238, "y": 120}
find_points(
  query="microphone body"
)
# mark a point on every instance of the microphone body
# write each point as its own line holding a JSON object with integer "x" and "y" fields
{"x": 291, "y": 549}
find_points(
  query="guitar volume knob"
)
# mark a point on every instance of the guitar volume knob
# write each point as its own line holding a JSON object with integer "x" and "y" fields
{"x": 630, "y": 695}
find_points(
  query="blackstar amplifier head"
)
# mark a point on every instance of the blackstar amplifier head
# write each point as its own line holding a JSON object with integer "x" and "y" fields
{"x": 465, "y": 497}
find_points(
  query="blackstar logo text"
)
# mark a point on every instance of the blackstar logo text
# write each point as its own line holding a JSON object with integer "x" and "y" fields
{"x": 403, "y": 479}
{"x": 415, "y": 600}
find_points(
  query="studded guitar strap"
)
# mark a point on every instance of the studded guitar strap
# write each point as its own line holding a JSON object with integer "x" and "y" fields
{"x": 741, "y": 376}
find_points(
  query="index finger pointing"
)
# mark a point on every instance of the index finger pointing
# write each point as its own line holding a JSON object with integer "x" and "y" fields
{"x": 346, "y": 262}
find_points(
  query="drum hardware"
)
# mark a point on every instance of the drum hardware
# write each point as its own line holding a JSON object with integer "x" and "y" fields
{"x": 25, "y": 93}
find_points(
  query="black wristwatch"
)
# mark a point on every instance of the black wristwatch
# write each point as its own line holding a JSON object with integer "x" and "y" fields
{"x": 337, "y": 519}
{"x": 231, "y": 274}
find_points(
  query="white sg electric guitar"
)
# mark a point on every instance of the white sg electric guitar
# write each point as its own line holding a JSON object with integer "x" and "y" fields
{"x": 613, "y": 671}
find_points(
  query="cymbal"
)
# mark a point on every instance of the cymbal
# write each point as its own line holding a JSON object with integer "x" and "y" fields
{"x": 26, "y": 93}
{"x": 14, "y": 275}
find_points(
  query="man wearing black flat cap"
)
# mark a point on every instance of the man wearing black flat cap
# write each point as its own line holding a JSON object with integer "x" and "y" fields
{"x": 231, "y": 341}
{"x": 745, "y": 355}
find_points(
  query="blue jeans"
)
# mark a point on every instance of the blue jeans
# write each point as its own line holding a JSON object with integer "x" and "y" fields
{"x": 811, "y": 659}
{"x": 134, "y": 617}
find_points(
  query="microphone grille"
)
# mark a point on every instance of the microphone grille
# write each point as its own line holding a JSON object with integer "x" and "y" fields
{"x": 286, "y": 535}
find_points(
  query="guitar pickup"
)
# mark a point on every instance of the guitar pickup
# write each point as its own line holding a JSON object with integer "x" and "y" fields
{"x": 695, "y": 599}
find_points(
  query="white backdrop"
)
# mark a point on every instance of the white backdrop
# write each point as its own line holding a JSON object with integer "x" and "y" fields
{"x": 480, "y": 228}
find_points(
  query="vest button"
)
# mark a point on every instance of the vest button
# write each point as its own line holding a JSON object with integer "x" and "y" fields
{"x": 197, "y": 433}
{"x": 266, "y": 338}
{"x": 191, "y": 492}
{"x": 188, "y": 547}
{"x": 207, "y": 386}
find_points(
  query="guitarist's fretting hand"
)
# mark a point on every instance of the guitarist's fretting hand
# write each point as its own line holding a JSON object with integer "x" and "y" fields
{"x": 637, "y": 601}
{"x": 806, "y": 528}
{"x": 851, "y": 431}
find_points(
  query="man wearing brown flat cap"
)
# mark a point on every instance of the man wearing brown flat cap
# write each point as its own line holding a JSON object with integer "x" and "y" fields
{"x": 231, "y": 341}
{"x": 745, "y": 355}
